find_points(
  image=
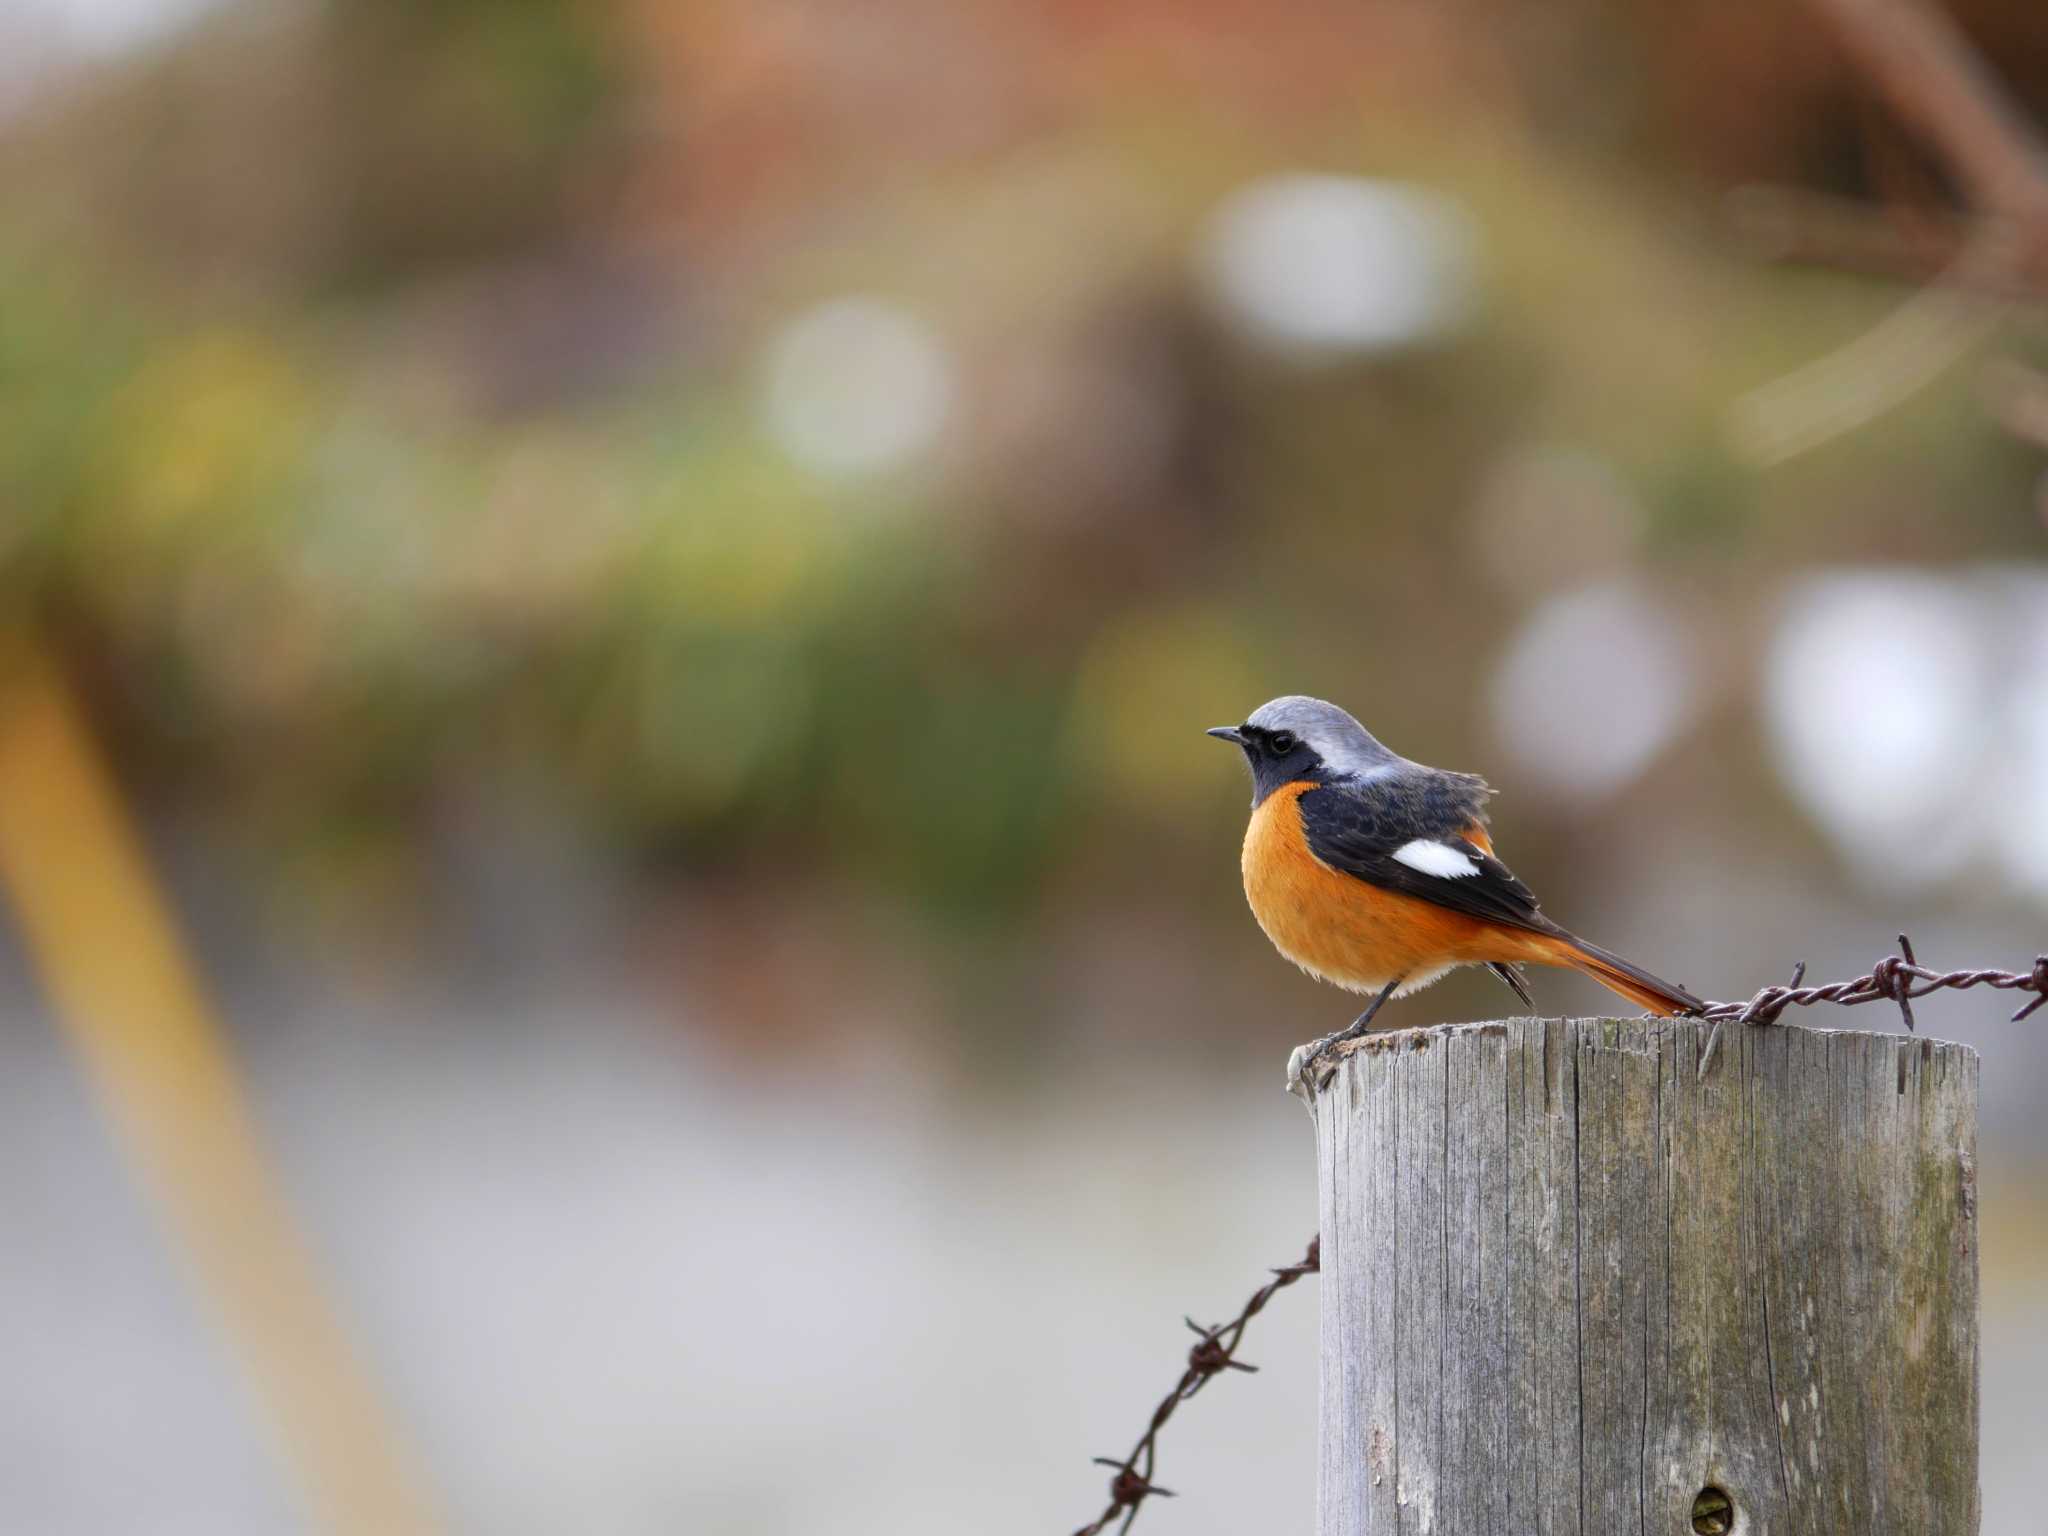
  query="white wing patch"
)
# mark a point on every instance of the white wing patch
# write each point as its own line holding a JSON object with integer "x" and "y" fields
{"x": 1434, "y": 858}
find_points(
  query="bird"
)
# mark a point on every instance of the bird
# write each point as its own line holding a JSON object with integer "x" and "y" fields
{"x": 1378, "y": 874}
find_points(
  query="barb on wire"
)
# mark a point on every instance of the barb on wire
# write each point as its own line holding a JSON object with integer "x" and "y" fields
{"x": 1896, "y": 978}
{"x": 1214, "y": 1352}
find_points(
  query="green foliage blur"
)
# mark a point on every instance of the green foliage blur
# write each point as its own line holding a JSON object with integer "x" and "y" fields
{"x": 380, "y": 412}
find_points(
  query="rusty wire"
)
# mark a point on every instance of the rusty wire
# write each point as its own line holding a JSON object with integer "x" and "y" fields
{"x": 1213, "y": 1352}
{"x": 1896, "y": 978}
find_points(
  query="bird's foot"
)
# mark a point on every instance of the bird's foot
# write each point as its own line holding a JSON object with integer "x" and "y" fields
{"x": 1309, "y": 1071}
{"x": 1311, "y": 1067}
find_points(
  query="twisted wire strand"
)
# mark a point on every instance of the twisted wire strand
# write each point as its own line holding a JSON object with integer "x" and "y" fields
{"x": 1213, "y": 1352}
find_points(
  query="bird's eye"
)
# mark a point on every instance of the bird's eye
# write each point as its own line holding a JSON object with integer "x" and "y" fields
{"x": 1282, "y": 743}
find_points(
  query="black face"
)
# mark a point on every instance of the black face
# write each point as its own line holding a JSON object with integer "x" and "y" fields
{"x": 1275, "y": 757}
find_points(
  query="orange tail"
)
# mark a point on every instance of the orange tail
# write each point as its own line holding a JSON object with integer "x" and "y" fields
{"x": 1617, "y": 975}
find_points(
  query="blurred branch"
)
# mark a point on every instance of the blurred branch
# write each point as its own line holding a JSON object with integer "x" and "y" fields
{"x": 113, "y": 964}
{"x": 1882, "y": 368}
{"x": 1924, "y": 66}
{"x": 1921, "y": 63}
{"x": 1783, "y": 224}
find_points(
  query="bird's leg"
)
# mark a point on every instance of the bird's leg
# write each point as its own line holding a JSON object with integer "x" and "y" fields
{"x": 1363, "y": 1022}
{"x": 1358, "y": 1026}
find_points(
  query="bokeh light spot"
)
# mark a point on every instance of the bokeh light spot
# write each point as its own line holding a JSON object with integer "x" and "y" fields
{"x": 1874, "y": 696}
{"x": 855, "y": 386}
{"x": 1591, "y": 688}
{"x": 1341, "y": 263}
{"x": 2021, "y": 835}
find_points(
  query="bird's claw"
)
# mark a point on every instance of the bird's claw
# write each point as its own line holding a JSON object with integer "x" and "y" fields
{"x": 1307, "y": 1071}
{"x": 1302, "y": 1076}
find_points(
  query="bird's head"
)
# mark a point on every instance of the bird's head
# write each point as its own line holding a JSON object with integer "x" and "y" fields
{"x": 1297, "y": 739}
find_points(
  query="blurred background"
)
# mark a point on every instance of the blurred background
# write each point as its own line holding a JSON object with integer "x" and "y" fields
{"x": 650, "y": 578}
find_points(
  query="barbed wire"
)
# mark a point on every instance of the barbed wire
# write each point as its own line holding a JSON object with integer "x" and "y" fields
{"x": 1896, "y": 978}
{"x": 1214, "y": 1352}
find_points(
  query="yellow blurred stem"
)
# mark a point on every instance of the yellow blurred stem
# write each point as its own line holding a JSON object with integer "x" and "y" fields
{"x": 108, "y": 954}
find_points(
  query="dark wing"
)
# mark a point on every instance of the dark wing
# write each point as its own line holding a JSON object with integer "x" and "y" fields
{"x": 1358, "y": 829}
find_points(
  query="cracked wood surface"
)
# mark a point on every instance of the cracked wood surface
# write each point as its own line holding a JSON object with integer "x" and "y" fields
{"x": 1567, "y": 1285}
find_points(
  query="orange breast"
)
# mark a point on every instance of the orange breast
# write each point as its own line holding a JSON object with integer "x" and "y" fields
{"x": 1340, "y": 928}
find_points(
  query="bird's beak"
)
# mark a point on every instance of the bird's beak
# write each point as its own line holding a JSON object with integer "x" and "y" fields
{"x": 1228, "y": 733}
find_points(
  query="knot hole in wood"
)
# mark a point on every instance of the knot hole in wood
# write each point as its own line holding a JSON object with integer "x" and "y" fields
{"x": 1713, "y": 1512}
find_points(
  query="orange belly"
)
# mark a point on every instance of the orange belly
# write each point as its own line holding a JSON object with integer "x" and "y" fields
{"x": 1349, "y": 932}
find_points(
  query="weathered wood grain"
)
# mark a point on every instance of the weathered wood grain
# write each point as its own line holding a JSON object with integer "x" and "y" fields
{"x": 1568, "y": 1285}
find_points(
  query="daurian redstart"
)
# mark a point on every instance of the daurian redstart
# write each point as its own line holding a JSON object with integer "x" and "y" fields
{"x": 1377, "y": 874}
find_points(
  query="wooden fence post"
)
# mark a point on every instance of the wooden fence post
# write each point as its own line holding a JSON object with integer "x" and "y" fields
{"x": 1570, "y": 1286}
